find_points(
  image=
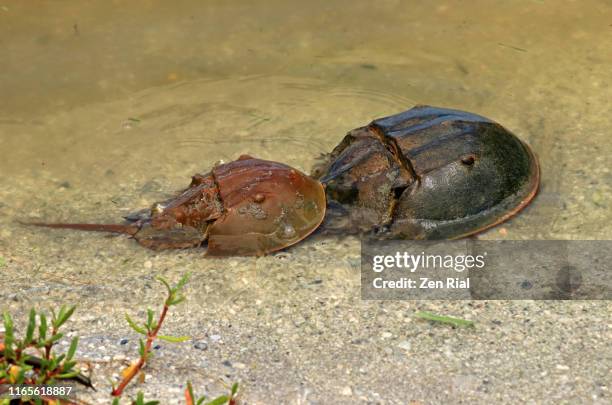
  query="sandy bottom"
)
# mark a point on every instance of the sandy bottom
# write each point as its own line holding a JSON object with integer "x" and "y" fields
{"x": 108, "y": 109}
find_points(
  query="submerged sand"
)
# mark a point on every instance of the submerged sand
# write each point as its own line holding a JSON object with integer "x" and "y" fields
{"x": 108, "y": 108}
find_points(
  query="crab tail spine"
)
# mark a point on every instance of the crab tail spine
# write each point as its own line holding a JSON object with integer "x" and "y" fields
{"x": 114, "y": 228}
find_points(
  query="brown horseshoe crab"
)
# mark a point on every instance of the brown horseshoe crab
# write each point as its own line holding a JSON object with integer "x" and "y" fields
{"x": 245, "y": 207}
{"x": 428, "y": 173}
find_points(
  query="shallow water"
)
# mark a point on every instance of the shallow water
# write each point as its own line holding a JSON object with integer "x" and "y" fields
{"x": 108, "y": 107}
{"x": 161, "y": 92}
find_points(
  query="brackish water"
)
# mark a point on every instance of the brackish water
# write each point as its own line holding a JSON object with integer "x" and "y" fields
{"x": 109, "y": 106}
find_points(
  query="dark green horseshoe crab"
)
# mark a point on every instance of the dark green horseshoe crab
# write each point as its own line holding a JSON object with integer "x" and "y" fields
{"x": 427, "y": 173}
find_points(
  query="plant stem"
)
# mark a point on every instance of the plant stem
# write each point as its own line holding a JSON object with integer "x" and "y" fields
{"x": 189, "y": 400}
{"x": 133, "y": 371}
{"x": 49, "y": 345}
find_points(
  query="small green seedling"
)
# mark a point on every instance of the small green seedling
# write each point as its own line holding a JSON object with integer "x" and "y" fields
{"x": 230, "y": 399}
{"x": 150, "y": 330}
{"x": 455, "y": 322}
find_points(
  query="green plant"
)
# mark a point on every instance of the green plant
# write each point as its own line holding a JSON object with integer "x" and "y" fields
{"x": 449, "y": 320}
{"x": 150, "y": 330}
{"x": 31, "y": 360}
{"x": 138, "y": 401}
{"x": 191, "y": 399}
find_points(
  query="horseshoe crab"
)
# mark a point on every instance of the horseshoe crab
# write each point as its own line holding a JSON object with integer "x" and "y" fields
{"x": 245, "y": 207}
{"x": 428, "y": 173}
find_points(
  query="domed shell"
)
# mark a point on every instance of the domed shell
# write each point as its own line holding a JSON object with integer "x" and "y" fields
{"x": 267, "y": 207}
{"x": 431, "y": 173}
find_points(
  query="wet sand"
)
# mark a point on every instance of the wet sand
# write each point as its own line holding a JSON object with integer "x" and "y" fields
{"x": 109, "y": 108}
